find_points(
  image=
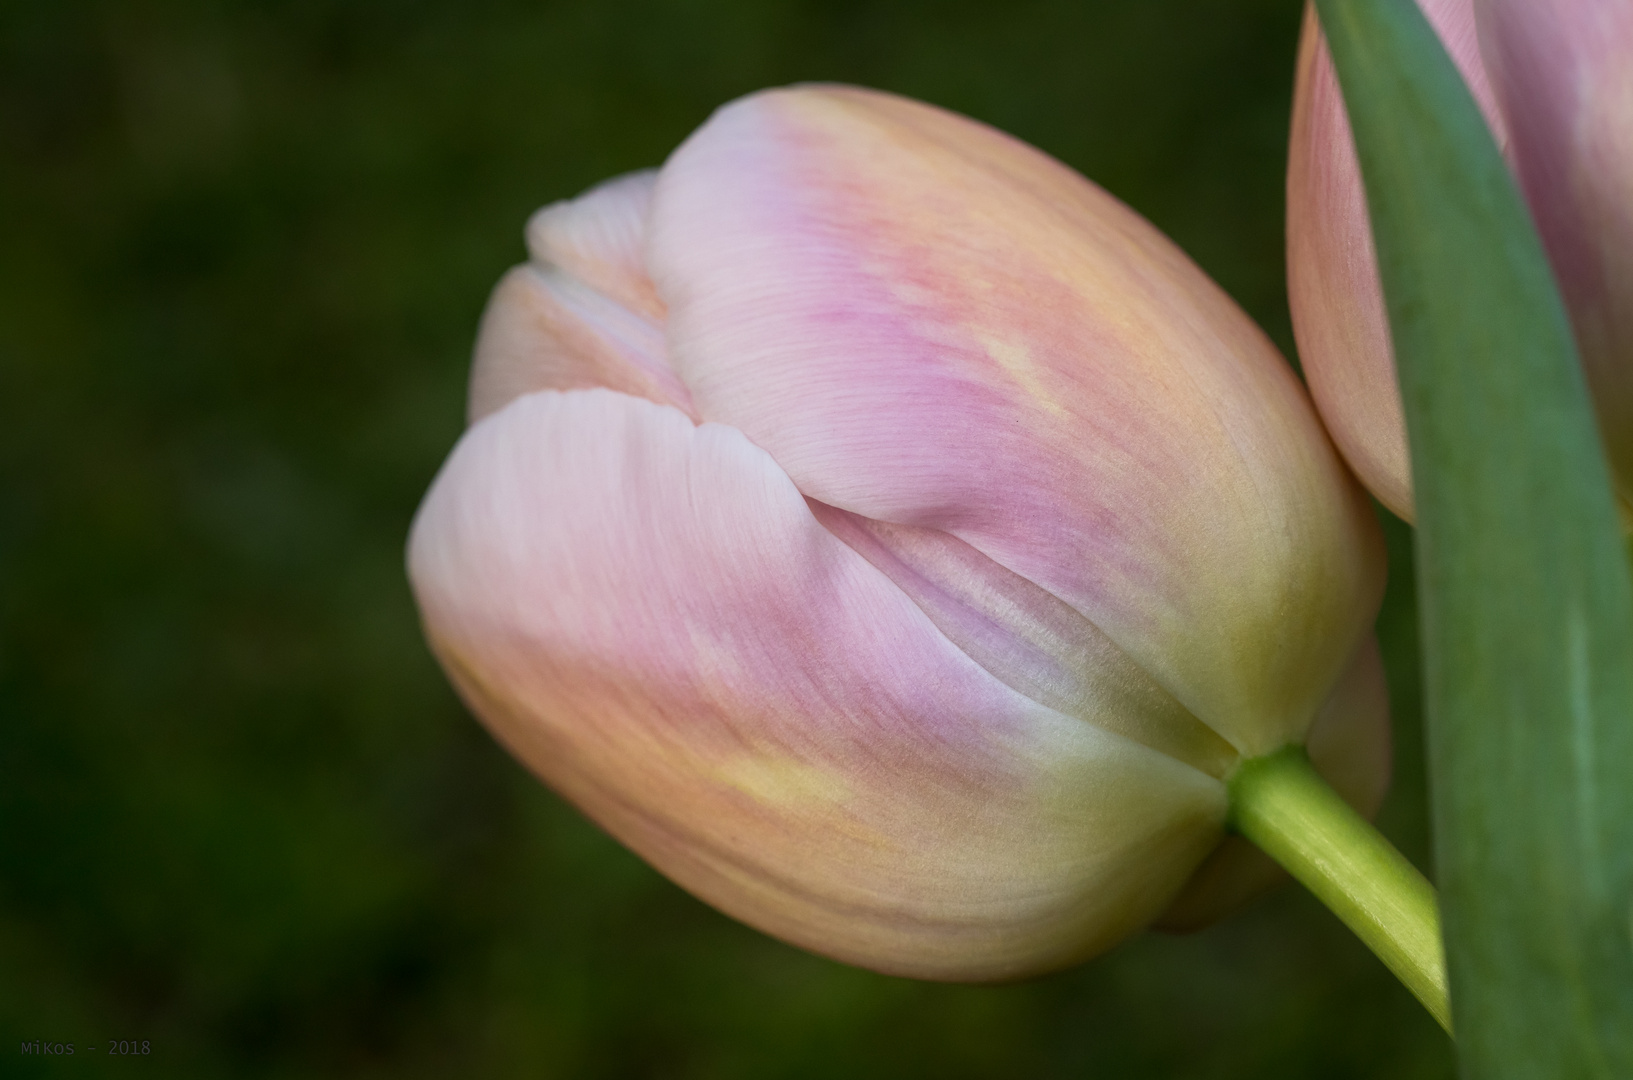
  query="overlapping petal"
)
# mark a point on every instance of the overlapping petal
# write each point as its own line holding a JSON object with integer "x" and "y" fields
{"x": 929, "y": 324}
{"x": 650, "y": 615}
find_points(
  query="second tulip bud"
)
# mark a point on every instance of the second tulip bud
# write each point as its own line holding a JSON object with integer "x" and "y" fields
{"x": 1554, "y": 79}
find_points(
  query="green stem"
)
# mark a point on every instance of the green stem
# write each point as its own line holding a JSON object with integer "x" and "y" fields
{"x": 1284, "y": 806}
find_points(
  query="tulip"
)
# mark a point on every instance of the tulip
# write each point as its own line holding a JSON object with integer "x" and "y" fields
{"x": 898, "y": 542}
{"x": 1554, "y": 79}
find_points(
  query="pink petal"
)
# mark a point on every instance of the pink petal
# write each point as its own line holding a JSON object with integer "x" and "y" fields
{"x": 1564, "y": 69}
{"x": 648, "y": 614}
{"x": 581, "y": 314}
{"x": 929, "y": 324}
{"x": 1333, "y": 289}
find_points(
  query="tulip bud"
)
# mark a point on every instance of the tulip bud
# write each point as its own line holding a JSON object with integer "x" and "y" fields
{"x": 897, "y": 541}
{"x": 1558, "y": 75}
{"x": 1333, "y": 289}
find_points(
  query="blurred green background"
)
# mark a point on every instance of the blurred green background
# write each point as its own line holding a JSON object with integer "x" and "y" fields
{"x": 243, "y": 248}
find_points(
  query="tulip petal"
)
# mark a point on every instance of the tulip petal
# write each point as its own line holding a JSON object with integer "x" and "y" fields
{"x": 648, "y": 614}
{"x": 599, "y": 238}
{"x": 1029, "y": 639}
{"x": 583, "y": 313}
{"x": 930, "y": 324}
{"x": 1333, "y": 289}
{"x": 1565, "y": 72}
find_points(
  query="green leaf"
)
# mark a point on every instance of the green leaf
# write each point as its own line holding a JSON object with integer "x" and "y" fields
{"x": 1527, "y": 610}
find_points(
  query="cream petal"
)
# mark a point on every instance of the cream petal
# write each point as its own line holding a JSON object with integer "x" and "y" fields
{"x": 583, "y": 313}
{"x": 930, "y": 324}
{"x": 647, "y": 613}
{"x": 1339, "y": 319}
{"x": 600, "y": 239}
{"x": 544, "y": 330}
{"x": 1350, "y": 746}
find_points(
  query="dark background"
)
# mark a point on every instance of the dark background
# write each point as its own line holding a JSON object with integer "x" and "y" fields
{"x": 243, "y": 248}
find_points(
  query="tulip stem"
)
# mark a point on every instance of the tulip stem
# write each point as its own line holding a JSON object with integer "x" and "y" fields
{"x": 1284, "y": 806}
